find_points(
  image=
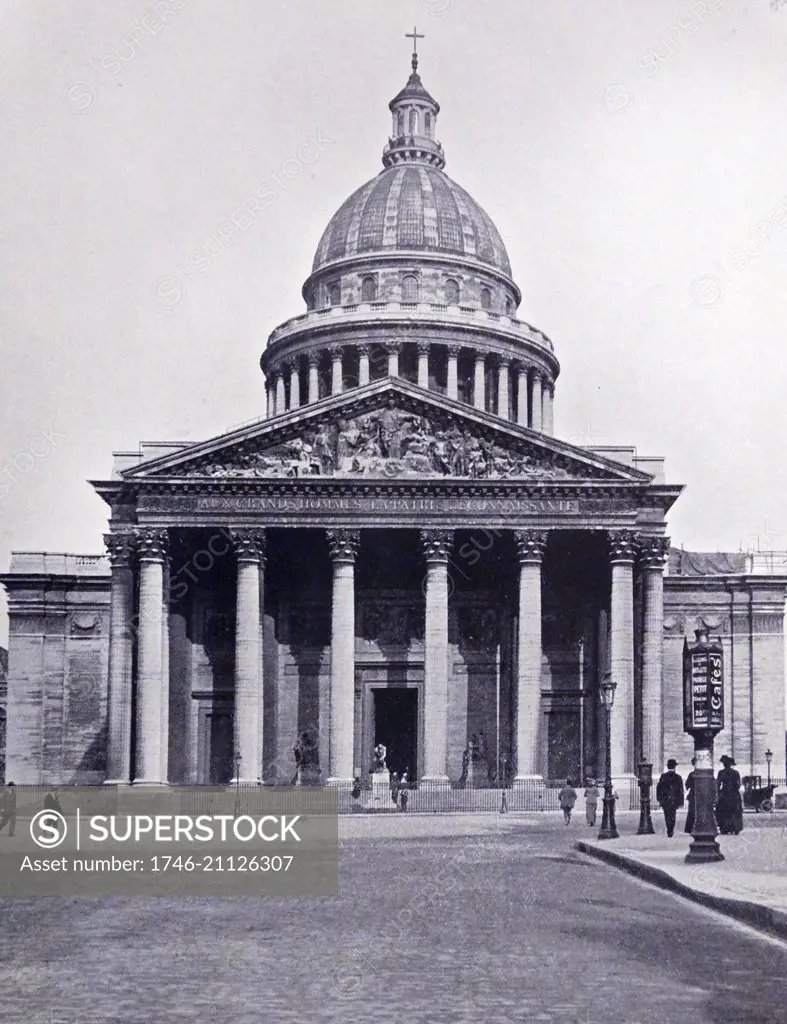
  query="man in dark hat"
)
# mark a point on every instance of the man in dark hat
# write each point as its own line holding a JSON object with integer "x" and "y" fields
{"x": 669, "y": 794}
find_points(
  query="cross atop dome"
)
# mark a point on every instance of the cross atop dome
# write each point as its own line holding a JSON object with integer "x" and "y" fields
{"x": 414, "y": 119}
{"x": 415, "y": 36}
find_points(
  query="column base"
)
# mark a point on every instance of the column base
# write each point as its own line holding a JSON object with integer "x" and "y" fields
{"x": 116, "y": 782}
{"x": 237, "y": 783}
{"x": 703, "y": 850}
{"x": 435, "y": 782}
{"x": 526, "y": 779}
{"x": 149, "y": 782}
{"x": 336, "y": 781}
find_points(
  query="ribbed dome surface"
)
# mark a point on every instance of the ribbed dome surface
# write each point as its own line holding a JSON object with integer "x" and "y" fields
{"x": 412, "y": 207}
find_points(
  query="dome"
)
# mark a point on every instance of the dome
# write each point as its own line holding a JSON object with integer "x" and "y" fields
{"x": 412, "y": 207}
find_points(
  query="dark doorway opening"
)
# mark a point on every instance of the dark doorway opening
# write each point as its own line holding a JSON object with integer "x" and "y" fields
{"x": 396, "y": 725}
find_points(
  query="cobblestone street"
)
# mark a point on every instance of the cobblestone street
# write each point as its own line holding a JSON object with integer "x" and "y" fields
{"x": 452, "y": 919}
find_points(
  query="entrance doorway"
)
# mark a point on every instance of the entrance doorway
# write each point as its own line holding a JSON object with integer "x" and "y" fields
{"x": 396, "y": 725}
{"x": 215, "y": 743}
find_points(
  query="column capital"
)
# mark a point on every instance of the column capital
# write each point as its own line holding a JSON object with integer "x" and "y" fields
{"x": 536, "y": 373}
{"x": 392, "y": 345}
{"x": 480, "y": 357}
{"x": 437, "y": 544}
{"x": 343, "y": 544}
{"x": 653, "y": 552}
{"x": 120, "y": 548}
{"x": 273, "y": 376}
{"x": 622, "y": 545}
{"x": 312, "y": 358}
{"x": 291, "y": 365}
{"x": 364, "y": 348}
{"x": 530, "y": 545}
{"x": 151, "y": 544}
{"x": 423, "y": 347}
{"x": 336, "y": 352}
{"x": 503, "y": 359}
{"x": 249, "y": 545}
{"x": 453, "y": 350}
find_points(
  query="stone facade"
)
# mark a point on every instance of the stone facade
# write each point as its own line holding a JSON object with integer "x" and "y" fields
{"x": 400, "y": 552}
{"x": 60, "y": 714}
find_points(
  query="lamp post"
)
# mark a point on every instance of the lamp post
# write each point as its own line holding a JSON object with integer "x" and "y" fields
{"x": 768, "y": 759}
{"x": 645, "y": 779}
{"x": 236, "y": 760}
{"x": 608, "y": 830}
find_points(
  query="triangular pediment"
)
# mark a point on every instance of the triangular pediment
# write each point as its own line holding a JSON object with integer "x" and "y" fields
{"x": 387, "y": 429}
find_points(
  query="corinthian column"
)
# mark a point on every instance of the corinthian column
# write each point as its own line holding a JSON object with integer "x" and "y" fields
{"x": 343, "y": 545}
{"x": 530, "y": 550}
{"x": 393, "y": 348}
{"x": 535, "y": 412}
{"x": 479, "y": 382}
{"x": 502, "y": 387}
{"x": 337, "y": 382}
{"x": 452, "y": 379}
{"x": 653, "y": 552}
{"x": 363, "y": 365}
{"x": 621, "y": 662}
{"x": 281, "y": 395}
{"x": 548, "y": 402}
{"x": 437, "y": 547}
{"x": 250, "y": 554}
{"x": 423, "y": 364}
{"x": 295, "y": 385}
{"x": 120, "y": 548}
{"x": 151, "y": 696}
{"x": 312, "y": 360}
{"x": 521, "y": 396}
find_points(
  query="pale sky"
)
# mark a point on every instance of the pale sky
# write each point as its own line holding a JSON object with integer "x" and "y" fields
{"x": 631, "y": 155}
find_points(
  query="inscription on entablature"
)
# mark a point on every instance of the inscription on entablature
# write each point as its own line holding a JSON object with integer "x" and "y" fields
{"x": 373, "y": 505}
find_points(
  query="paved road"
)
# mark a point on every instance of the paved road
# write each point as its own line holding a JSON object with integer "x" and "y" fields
{"x": 439, "y": 921}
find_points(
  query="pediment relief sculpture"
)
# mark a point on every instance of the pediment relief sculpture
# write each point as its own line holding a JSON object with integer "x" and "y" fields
{"x": 387, "y": 443}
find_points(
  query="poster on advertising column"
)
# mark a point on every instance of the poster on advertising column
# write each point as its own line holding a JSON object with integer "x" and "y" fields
{"x": 703, "y": 685}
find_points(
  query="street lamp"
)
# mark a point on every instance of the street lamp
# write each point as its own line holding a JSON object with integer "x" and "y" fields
{"x": 237, "y": 759}
{"x": 768, "y": 759}
{"x": 645, "y": 779}
{"x": 608, "y": 830}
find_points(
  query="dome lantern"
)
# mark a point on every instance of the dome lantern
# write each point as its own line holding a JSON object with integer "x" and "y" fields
{"x": 414, "y": 112}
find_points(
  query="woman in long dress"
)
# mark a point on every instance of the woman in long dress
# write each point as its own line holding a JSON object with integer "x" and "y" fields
{"x": 729, "y": 807}
{"x": 689, "y": 784}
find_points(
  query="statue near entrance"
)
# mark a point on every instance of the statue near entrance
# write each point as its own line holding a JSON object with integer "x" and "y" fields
{"x": 378, "y": 762}
{"x": 307, "y": 769}
{"x": 381, "y": 779}
{"x": 475, "y": 764}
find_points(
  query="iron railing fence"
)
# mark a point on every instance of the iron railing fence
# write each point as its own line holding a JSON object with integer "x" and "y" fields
{"x": 527, "y": 796}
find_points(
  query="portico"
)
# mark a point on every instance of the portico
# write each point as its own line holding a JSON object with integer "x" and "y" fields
{"x": 270, "y": 601}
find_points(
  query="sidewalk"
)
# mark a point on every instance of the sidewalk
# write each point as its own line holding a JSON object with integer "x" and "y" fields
{"x": 750, "y": 884}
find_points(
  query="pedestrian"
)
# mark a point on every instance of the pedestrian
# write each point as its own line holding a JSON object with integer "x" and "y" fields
{"x": 51, "y": 802}
{"x": 394, "y": 783}
{"x": 729, "y": 807}
{"x": 591, "y": 801}
{"x": 403, "y": 791}
{"x": 567, "y": 797}
{"x": 669, "y": 795}
{"x": 8, "y": 808}
{"x": 690, "y": 798}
